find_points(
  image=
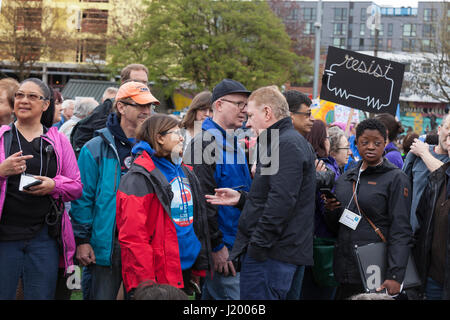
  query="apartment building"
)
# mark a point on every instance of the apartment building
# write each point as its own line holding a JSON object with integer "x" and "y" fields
{"x": 343, "y": 24}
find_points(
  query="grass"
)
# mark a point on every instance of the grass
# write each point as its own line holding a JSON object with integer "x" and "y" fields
{"x": 76, "y": 295}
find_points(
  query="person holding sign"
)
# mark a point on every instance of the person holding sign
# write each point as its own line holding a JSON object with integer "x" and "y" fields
{"x": 38, "y": 172}
{"x": 373, "y": 193}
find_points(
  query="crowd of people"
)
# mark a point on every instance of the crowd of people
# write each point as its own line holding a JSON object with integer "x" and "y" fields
{"x": 244, "y": 198}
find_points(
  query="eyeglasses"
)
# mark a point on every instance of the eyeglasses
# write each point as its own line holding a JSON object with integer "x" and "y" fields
{"x": 344, "y": 148}
{"x": 30, "y": 96}
{"x": 177, "y": 132}
{"x": 308, "y": 114}
{"x": 240, "y": 104}
{"x": 135, "y": 105}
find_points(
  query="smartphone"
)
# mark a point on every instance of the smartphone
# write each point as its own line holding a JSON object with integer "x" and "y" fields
{"x": 328, "y": 194}
{"x": 32, "y": 184}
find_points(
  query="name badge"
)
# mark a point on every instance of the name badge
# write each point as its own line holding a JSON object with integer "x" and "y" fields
{"x": 26, "y": 179}
{"x": 350, "y": 219}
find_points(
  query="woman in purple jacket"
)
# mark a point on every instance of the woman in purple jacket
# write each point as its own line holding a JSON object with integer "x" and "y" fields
{"x": 36, "y": 235}
{"x": 394, "y": 128}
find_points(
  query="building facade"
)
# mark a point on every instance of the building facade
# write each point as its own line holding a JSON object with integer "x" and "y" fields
{"x": 344, "y": 24}
{"x": 61, "y": 39}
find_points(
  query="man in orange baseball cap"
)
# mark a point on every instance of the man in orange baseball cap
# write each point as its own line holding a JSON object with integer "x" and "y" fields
{"x": 136, "y": 91}
{"x": 94, "y": 214}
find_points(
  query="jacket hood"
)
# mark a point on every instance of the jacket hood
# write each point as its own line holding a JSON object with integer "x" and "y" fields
{"x": 209, "y": 124}
{"x": 142, "y": 146}
{"x": 167, "y": 166}
{"x": 113, "y": 124}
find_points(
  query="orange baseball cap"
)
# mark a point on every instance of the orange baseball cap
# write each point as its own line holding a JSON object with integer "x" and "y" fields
{"x": 137, "y": 91}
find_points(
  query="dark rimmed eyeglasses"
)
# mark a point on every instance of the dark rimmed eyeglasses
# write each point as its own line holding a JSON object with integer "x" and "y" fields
{"x": 240, "y": 104}
{"x": 135, "y": 105}
{"x": 29, "y": 96}
{"x": 308, "y": 114}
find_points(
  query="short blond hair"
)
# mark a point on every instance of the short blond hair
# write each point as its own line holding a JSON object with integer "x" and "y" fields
{"x": 271, "y": 96}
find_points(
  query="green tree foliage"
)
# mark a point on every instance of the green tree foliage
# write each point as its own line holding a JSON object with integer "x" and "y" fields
{"x": 205, "y": 41}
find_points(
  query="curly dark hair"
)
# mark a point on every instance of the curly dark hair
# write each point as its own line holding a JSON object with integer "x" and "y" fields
{"x": 371, "y": 124}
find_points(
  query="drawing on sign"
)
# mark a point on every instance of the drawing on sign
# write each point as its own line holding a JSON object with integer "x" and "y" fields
{"x": 374, "y": 70}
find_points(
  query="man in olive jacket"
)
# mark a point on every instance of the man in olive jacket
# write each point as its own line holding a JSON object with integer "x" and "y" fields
{"x": 275, "y": 232}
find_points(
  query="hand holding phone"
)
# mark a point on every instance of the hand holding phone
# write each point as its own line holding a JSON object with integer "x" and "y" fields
{"x": 32, "y": 184}
{"x": 328, "y": 194}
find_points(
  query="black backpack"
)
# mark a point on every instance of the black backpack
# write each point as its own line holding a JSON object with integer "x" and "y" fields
{"x": 84, "y": 130}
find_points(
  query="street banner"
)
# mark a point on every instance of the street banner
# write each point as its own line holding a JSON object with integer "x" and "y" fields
{"x": 361, "y": 81}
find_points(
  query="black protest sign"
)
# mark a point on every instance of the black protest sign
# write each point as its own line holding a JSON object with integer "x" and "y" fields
{"x": 362, "y": 82}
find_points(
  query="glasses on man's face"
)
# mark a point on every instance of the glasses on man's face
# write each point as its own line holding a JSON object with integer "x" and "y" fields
{"x": 308, "y": 114}
{"x": 135, "y": 105}
{"x": 30, "y": 96}
{"x": 240, "y": 104}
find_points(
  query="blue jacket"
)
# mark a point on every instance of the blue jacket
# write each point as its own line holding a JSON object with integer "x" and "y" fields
{"x": 227, "y": 169}
{"x": 99, "y": 165}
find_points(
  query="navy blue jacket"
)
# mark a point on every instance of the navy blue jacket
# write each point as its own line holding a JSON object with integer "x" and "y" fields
{"x": 278, "y": 216}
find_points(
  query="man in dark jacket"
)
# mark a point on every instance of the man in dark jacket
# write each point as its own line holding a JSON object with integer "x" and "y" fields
{"x": 432, "y": 250}
{"x": 275, "y": 232}
{"x": 300, "y": 111}
{"x": 84, "y": 129}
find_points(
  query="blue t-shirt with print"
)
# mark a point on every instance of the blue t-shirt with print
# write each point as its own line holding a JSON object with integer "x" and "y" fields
{"x": 182, "y": 211}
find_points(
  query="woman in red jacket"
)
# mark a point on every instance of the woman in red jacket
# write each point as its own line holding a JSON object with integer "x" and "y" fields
{"x": 161, "y": 215}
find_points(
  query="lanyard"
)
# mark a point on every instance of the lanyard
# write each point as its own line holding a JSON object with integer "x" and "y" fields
{"x": 20, "y": 147}
{"x": 354, "y": 192}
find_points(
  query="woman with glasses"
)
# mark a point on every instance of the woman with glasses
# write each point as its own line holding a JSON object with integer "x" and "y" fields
{"x": 199, "y": 109}
{"x": 38, "y": 172}
{"x": 339, "y": 147}
{"x": 161, "y": 213}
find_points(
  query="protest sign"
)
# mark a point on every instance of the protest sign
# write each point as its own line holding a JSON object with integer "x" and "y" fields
{"x": 362, "y": 82}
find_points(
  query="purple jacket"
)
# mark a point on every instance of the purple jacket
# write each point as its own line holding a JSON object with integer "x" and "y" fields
{"x": 393, "y": 155}
{"x": 67, "y": 182}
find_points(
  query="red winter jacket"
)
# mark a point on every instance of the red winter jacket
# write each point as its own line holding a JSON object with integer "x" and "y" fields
{"x": 147, "y": 235}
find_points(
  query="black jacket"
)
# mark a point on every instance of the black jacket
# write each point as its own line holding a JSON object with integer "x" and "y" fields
{"x": 278, "y": 215}
{"x": 424, "y": 235}
{"x": 84, "y": 130}
{"x": 384, "y": 196}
